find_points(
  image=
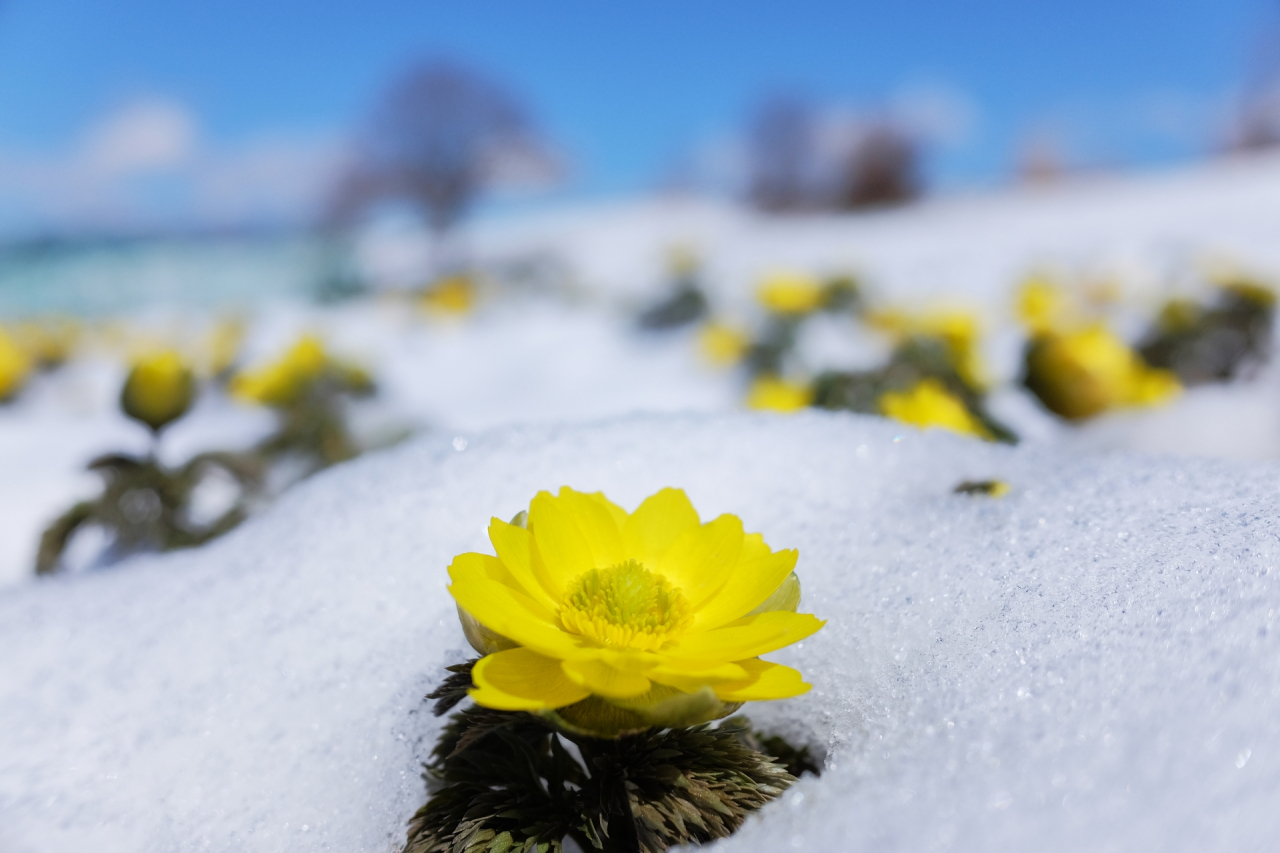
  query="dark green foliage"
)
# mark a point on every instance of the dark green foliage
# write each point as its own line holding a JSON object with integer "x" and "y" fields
{"x": 1213, "y": 343}
{"x": 689, "y": 785}
{"x": 915, "y": 359}
{"x": 685, "y": 305}
{"x": 453, "y": 689}
{"x": 842, "y": 294}
{"x": 767, "y": 354}
{"x": 797, "y": 762}
{"x": 993, "y": 488}
{"x": 504, "y": 781}
{"x": 146, "y": 506}
{"x": 313, "y": 428}
{"x": 499, "y": 782}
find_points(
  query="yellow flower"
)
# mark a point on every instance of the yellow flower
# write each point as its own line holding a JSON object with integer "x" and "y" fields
{"x": 791, "y": 293}
{"x": 451, "y": 296}
{"x": 929, "y": 404}
{"x": 722, "y": 345}
{"x": 48, "y": 343}
{"x": 159, "y": 389}
{"x": 1249, "y": 291}
{"x": 284, "y": 381}
{"x": 1082, "y": 373}
{"x": 960, "y": 332}
{"x": 771, "y": 394}
{"x": 609, "y": 621}
{"x": 1179, "y": 315}
{"x": 14, "y": 366}
{"x": 1041, "y": 306}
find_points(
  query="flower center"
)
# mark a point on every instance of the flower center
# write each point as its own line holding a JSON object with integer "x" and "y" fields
{"x": 625, "y": 605}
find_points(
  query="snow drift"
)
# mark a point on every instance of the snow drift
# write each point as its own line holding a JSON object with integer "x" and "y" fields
{"x": 1087, "y": 663}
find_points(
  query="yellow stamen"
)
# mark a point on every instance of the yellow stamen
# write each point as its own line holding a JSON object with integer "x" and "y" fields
{"x": 625, "y": 605}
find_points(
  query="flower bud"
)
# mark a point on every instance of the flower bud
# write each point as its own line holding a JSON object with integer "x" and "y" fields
{"x": 159, "y": 390}
{"x": 14, "y": 366}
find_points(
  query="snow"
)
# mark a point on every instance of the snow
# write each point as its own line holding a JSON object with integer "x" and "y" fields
{"x": 528, "y": 363}
{"x": 1087, "y": 663}
{"x": 1142, "y": 228}
{"x": 567, "y": 350}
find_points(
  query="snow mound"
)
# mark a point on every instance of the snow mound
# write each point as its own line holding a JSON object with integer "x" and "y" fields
{"x": 1087, "y": 663}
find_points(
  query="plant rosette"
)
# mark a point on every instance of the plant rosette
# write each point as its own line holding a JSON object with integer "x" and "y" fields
{"x": 608, "y": 622}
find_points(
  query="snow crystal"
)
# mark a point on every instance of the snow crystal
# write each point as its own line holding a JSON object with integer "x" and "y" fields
{"x": 1087, "y": 663}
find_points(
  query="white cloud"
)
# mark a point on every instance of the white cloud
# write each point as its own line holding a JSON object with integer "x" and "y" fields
{"x": 142, "y": 136}
{"x": 146, "y": 165}
{"x": 937, "y": 112}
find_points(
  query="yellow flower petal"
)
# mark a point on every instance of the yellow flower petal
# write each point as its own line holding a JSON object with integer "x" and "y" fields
{"x": 785, "y": 597}
{"x": 753, "y": 546}
{"x": 603, "y": 679}
{"x": 751, "y": 582}
{"x": 560, "y": 551}
{"x": 700, "y": 561}
{"x": 508, "y": 611}
{"x": 618, "y": 513}
{"x": 598, "y": 525}
{"x": 746, "y": 637}
{"x": 691, "y": 680}
{"x": 765, "y": 680}
{"x": 523, "y": 680}
{"x": 657, "y": 523}
{"x": 513, "y": 545}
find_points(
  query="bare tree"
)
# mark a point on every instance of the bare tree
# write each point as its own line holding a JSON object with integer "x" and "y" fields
{"x": 441, "y": 135}
{"x": 800, "y": 160}
{"x": 883, "y": 168}
{"x": 781, "y": 152}
{"x": 1256, "y": 124}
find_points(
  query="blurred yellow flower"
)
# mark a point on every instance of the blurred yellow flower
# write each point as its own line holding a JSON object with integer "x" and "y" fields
{"x": 288, "y": 379}
{"x": 930, "y": 404}
{"x": 791, "y": 293}
{"x": 1041, "y": 306}
{"x": 15, "y": 366}
{"x": 47, "y": 343}
{"x": 159, "y": 389}
{"x": 1249, "y": 290}
{"x": 453, "y": 296}
{"x": 612, "y": 621}
{"x": 1083, "y": 373}
{"x": 722, "y": 345}
{"x": 772, "y": 394}
{"x": 1179, "y": 315}
{"x": 960, "y": 332}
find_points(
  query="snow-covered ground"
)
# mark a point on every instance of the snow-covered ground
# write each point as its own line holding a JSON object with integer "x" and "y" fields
{"x": 570, "y": 351}
{"x": 1089, "y": 663}
{"x": 1141, "y": 228}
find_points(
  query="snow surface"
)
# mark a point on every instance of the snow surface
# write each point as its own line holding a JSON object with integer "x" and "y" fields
{"x": 1089, "y": 663}
{"x": 1142, "y": 228}
{"x": 535, "y": 355}
{"x": 540, "y": 362}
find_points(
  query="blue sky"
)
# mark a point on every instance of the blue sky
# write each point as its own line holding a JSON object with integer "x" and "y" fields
{"x": 622, "y": 88}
